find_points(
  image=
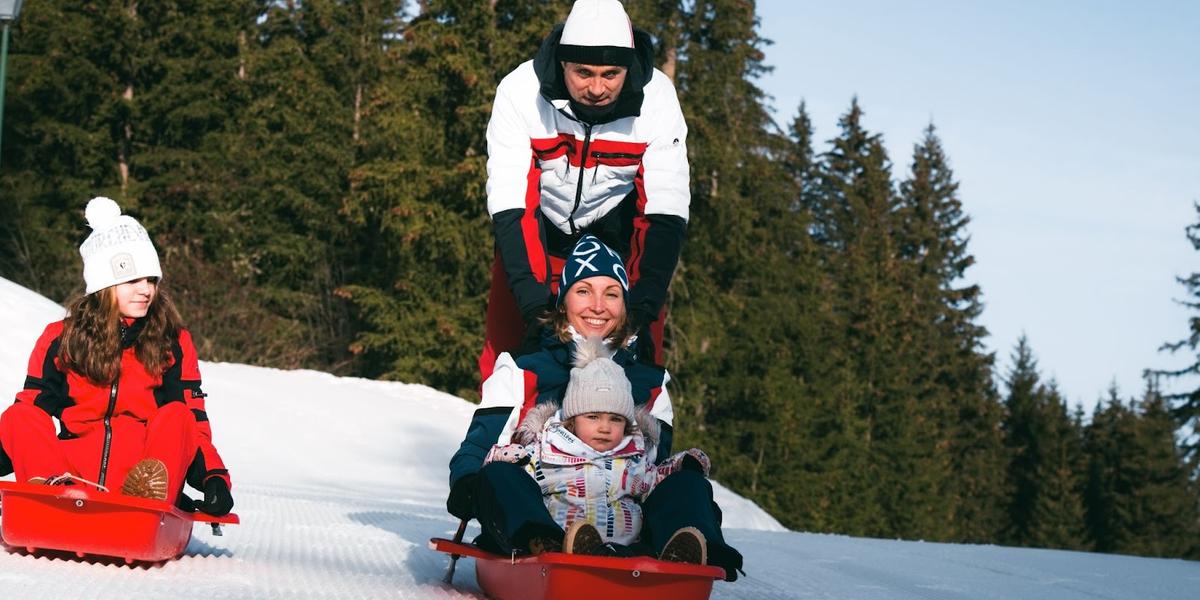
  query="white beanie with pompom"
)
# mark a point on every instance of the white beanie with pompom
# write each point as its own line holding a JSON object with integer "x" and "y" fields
{"x": 118, "y": 249}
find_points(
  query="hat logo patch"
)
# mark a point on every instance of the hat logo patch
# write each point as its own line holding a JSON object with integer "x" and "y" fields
{"x": 588, "y": 250}
{"x": 122, "y": 265}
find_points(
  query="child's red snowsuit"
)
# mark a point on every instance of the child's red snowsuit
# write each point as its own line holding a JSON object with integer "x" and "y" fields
{"x": 106, "y": 429}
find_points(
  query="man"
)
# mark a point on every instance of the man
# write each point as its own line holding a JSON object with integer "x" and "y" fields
{"x": 587, "y": 137}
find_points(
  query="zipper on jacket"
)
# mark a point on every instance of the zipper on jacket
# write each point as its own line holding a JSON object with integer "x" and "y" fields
{"x": 554, "y": 148}
{"x": 587, "y": 140}
{"x": 600, "y": 155}
{"x": 112, "y": 405}
{"x": 628, "y": 155}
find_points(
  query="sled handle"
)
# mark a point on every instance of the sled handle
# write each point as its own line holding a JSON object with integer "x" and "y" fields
{"x": 458, "y": 536}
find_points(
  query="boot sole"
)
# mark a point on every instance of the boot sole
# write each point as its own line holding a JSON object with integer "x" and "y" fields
{"x": 147, "y": 479}
{"x": 686, "y": 546}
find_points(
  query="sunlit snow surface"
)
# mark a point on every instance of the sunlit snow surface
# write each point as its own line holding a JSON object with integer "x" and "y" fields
{"x": 340, "y": 482}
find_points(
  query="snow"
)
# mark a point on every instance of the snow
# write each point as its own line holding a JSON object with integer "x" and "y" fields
{"x": 340, "y": 482}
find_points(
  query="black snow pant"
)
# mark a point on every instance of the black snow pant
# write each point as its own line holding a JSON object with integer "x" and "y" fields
{"x": 685, "y": 499}
{"x": 511, "y": 510}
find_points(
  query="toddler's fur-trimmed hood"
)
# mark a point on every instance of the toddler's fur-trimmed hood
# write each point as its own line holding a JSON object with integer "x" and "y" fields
{"x": 535, "y": 420}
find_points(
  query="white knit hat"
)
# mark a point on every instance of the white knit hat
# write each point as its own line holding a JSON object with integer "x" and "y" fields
{"x": 597, "y": 383}
{"x": 597, "y": 32}
{"x": 118, "y": 249}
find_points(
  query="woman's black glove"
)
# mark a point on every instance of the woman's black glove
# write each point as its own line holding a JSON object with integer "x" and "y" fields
{"x": 461, "y": 502}
{"x": 531, "y": 341}
{"x": 644, "y": 348}
{"x": 217, "y": 499}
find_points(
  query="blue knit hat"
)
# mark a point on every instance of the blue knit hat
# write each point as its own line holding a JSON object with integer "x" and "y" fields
{"x": 591, "y": 258}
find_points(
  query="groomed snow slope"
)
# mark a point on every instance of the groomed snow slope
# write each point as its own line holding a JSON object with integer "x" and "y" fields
{"x": 340, "y": 482}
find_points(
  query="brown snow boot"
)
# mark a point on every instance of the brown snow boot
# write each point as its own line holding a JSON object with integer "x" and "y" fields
{"x": 540, "y": 544}
{"x": 147, "y": 479}
{"x": 584, "y": 538}
{"x": 686, "y": 546}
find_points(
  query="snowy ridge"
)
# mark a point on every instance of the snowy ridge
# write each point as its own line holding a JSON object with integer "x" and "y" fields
{"x": 341, "y": 481}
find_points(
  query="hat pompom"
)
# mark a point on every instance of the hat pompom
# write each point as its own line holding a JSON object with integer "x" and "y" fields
{"x": 101, "y": 212}
{"x": 588, "y": 350}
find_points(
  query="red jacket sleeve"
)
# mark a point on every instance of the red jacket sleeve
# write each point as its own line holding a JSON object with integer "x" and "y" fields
{"x": 209, "y": 463}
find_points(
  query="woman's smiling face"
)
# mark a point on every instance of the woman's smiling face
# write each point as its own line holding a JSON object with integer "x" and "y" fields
{"x": 595, "y": 306}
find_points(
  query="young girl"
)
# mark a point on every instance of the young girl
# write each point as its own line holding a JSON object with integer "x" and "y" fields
{"x": 589, "y": 459}
{"x": 120, "y": 375}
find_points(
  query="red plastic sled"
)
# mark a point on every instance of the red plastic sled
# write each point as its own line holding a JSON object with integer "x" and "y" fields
{"x": 91, "y": 522}
{"x": 579, "y": 577}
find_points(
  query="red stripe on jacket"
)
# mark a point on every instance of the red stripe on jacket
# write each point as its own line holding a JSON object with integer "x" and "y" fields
{"x": 637, "y": 240}
{"x": 531, "y": 394}
{"x": 530, "y": 232}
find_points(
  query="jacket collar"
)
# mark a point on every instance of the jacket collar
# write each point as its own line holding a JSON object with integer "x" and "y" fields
{"x": 545, "y": 416}
{"x": 130, "y": 329}
{"x": 621, "y": 356}
{"x": 561, "y": 438}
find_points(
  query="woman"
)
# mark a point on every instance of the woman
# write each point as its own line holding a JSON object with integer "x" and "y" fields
{"x": 591, "y": 302}
{"x": 120, "y": 375}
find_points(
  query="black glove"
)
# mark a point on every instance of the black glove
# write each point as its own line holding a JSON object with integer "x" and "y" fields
{"x": 644, "y": 346}
{"x": 217, "y": 499}
{"x": 724, "y": 556}
{"x": 532, "y": 340}
{"x": 186, "y": 504}
{"x": 461, "y": 502}
{"x": 690, "y": 463}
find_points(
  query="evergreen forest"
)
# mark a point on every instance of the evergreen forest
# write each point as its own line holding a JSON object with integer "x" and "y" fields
{"x": 313, "y": 174}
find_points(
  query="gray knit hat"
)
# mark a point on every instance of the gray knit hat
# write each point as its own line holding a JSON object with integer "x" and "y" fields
{"x": 597, "y": 383}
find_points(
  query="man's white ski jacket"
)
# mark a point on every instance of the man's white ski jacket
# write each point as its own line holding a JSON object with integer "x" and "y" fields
{"x": 553, "y": 177}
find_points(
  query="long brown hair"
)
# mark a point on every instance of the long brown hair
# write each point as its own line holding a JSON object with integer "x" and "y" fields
{"x": 91, "y": 337}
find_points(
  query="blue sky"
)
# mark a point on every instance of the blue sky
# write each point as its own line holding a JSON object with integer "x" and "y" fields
{"x": 1074, "y": 131}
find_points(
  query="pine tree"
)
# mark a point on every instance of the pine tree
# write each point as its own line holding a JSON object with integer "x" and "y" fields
{"x": 262, "y": 246}
{"x": 1020, "y": 428}
{"x": 958, "y": 401}
{"x": 1046, "y": 508}
{"x": 1168, "y": 509}
{"x": 418, "y": 205}
{"x": 1140, "y": 499}
{"x": 1186, "y": 404}
{"x": 64, "y": 107}
{"x": 889, "y": 472}
{"x": 1057, "y": 518}
{"x": 739, "y": 297}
